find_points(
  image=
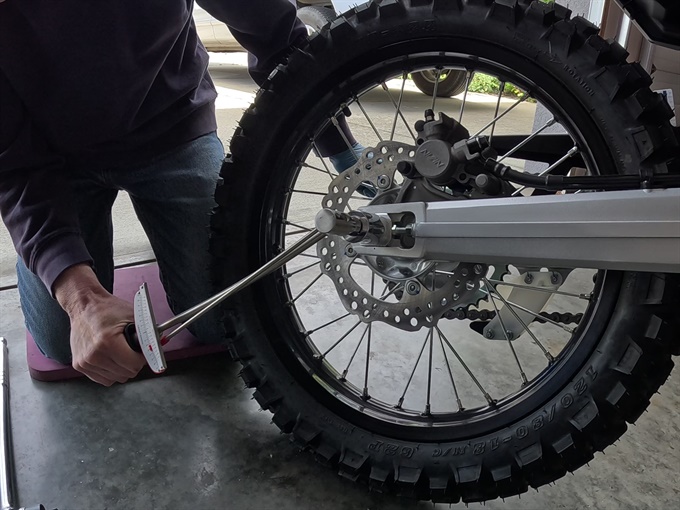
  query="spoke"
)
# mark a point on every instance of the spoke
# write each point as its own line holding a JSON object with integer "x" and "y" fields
{"x": 464, "y": 365}
{"x": 498, "y": 107}
{"x": 321, "y": 170}
{"x": 307, "y": 192}
{"x": 306, "y": 288}
{"x": 297, "y": 232}
{"x": 429, "y": 374}
{"x": 361, "y": 107}
{"x": 309, "y": 255}
{"x": 436, "y": 86}
{"x": 538, "y": 316}
{"x": 551, "y": 122}
{"x": 365, "y": 394}
{"x": 507, "y": 335}
{"x": 395, "y": 289}
{"x": 398, "y": 110}
{"x": 361, "y": 340}
{"x": 468, "y": 79}
{"x": 323, "y": 161}
{"x": 499, "y": 117}
{"x": 546, "y": 353}
{"x": 328, "y": 323}
{"x": 335, "y": 122}
{"x": 341, "y": 339}
{"x": 296, "y": 225}
{"x": 585, "y": 297}
{"x": 401, "y": 399}
{"x": 572, "y": 151}
{"x": 448, "y": 368}
{"x": 288, "y": 275}
{"x": 356, "y": 261}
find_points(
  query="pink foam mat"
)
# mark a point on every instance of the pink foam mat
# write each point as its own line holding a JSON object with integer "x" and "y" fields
{"x": 127, "y": 283}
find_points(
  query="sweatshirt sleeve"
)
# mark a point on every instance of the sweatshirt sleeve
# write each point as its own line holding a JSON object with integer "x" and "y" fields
{"x": 35, "y": 195}
{"x": 265, "y": 28}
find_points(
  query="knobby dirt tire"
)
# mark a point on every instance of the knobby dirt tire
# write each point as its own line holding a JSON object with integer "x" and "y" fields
{"x": 638, "y": 329}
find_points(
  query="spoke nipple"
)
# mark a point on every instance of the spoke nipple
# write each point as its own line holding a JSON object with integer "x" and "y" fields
{"x": 528, "y": 279}
{"x": 554, "y": 278}
{"x": 509, "y": 334}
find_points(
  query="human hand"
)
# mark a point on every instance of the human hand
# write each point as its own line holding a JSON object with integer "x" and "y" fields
{"x": 98, "y": 346}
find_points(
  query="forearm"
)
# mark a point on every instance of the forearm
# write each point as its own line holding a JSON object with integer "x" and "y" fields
{"x": 37, "y": 209}
{"x": 265, "y": 28}
{"x": 76, "y": 287}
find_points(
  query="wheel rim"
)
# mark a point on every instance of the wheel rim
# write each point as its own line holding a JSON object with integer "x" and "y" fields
{"x": 443, "y": 380}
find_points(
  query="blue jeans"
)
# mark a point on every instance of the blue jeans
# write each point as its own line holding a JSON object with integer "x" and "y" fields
{"x": 172, "y": 195}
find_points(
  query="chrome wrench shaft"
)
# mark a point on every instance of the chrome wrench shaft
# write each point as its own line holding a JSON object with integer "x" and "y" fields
{"x": 149, "y": 335}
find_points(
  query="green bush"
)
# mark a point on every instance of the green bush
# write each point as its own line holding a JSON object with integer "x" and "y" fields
{"x": 485, "y": 84}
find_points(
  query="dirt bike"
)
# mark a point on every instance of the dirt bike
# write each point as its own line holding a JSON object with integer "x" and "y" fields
{"x": 507, "y": 298}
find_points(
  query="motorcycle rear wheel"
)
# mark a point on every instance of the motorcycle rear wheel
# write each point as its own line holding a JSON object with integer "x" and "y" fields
{"x": 607, "y": 371}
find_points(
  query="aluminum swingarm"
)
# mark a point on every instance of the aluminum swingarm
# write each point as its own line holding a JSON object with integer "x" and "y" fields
{"x": 636, "y": 230}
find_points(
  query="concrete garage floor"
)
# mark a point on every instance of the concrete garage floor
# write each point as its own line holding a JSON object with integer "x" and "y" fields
{"x": 195, "y": 439}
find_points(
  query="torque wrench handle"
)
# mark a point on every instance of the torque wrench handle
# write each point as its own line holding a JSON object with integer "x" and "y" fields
{"x": 151, "y": 347}
{"x": 130, "y": 333}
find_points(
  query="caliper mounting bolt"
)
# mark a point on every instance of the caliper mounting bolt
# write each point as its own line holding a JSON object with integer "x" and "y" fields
{"x": 383, "y": 182}
{"x": 413, "y": 288}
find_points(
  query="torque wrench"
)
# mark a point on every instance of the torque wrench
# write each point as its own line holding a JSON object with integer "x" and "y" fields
{"x": 147, "y": 337}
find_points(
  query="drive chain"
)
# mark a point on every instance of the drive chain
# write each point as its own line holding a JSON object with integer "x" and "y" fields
{"x": 487, "y": 315}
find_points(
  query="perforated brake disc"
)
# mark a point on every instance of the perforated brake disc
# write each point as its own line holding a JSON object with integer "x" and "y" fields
{"x": 404, "y": 293}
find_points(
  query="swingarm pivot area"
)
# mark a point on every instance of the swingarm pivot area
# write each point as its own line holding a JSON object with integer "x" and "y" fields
{"x": 624, "y": 230}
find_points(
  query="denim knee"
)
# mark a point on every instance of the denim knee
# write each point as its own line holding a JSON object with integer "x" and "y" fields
{"x": 45, "y": 320}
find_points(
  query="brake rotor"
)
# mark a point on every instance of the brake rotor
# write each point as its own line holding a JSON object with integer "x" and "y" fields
{"x": 416, "y": 293}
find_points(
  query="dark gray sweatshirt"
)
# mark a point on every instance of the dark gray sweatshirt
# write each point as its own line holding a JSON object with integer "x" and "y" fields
{"x": 88, "y": 81}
